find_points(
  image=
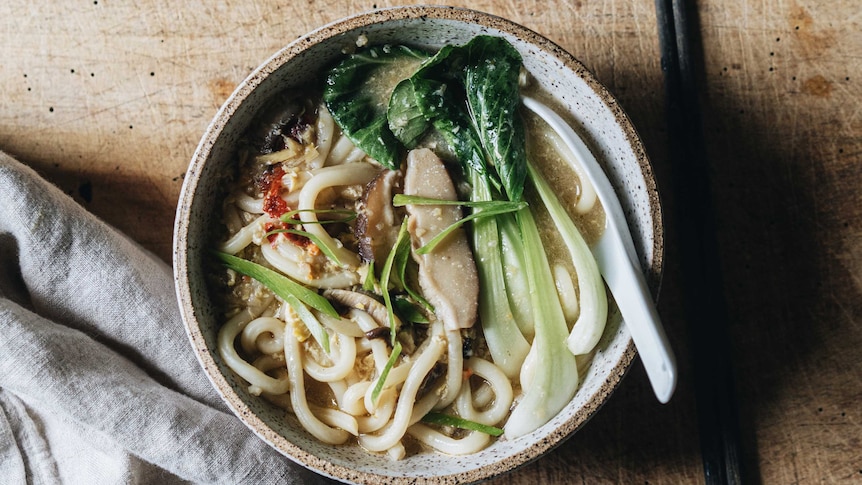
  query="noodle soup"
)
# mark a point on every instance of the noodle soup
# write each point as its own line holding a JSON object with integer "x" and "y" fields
{"x": 345, "y": 308}
{"x": 206, "y": 300}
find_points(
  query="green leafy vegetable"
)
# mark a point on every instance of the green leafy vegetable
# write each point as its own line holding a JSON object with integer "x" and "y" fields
{"x": 405, "y": 117}
{"x": 491, "y": 71}
{"x": 470, "y": 94}
{"x": 296, "y": 295}
{"x": 448, "y": 420}
{"x": 357, "y": 95}
{"x": 439, "y": 95}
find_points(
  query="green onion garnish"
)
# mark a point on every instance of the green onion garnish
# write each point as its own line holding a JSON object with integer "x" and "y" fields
{"x": 295, "y": 294}
{"x": 326, "y": 250}
{"x": 509, "y": 207}
{"x": 408, "y": 310}
{"x": 288, "y": 217}
{"x": 448, "y": 420}
{"x": 385, "y": 274}
{"x": 370, "y": 278}
{"x": 400, "y": 200}
{"x": 488, "y": 208}
{"x": 396, "y": 351}
{"x": 402, "y": 256}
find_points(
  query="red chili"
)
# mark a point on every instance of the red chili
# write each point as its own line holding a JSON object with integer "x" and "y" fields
{"x": 271, "y": 186}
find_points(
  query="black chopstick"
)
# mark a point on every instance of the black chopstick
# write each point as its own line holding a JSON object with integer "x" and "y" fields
{"x": 705, "y": 307}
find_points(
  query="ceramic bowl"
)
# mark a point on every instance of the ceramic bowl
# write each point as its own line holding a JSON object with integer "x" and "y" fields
{"x": 577, "y": 94}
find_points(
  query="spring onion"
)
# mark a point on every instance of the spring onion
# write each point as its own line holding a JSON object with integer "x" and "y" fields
{"x": 483, "y": 208}
{"x": 396, "y": 351}
{"x": 293, "y": 293}
{"x": 385, "y": 276}
{"x": 349, "y": 215}
{"x": 324, "y": 248}
{"x": 457, "y": 422}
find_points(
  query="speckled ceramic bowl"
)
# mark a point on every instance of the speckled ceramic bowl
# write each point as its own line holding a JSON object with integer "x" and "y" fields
{"x": 586, "y": 104}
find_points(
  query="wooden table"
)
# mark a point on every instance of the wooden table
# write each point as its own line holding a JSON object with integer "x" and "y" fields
{"x": 108, "y": 99}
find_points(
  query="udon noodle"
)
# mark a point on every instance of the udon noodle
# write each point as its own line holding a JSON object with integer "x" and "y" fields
{"x": 298, "y": 160}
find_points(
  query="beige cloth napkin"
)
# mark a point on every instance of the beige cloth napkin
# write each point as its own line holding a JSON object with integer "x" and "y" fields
{"x": 98, "y": 383}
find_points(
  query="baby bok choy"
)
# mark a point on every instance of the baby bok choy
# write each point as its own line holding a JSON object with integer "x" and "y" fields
{"x": 468, "y": 95}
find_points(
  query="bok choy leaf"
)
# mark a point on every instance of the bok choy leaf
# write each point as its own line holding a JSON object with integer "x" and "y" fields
{"x": 491, "y": 71}
{"x": 357, "y": 94}
{"x": 406, "y": 120}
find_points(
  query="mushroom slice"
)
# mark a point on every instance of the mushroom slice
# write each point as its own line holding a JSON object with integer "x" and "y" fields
{"x": 376, "y": 227}
{"x": 361, "y": 301}
{"x": 447, "y": 275}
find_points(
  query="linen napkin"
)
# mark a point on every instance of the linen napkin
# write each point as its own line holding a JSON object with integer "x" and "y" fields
{"x": 98, "y": 383}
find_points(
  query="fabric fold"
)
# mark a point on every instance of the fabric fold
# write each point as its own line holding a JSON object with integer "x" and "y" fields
{"x": 93, "y": 352}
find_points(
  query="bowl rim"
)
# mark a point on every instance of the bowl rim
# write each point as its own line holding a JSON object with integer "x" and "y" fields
{"x": 215, "y": 129}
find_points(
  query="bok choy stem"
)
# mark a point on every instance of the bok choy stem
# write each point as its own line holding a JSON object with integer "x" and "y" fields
{"x": 555, "y": 375}
{"x": 507, "y": 345}
{"x": 591, "y": 288}
{"x": 518, "y": 292}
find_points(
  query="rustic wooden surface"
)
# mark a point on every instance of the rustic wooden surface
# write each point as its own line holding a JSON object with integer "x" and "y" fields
{"x": 784, "y": 97}
{"x": 108, "y": 99}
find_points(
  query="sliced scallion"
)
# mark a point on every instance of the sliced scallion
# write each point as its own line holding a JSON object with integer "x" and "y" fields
{"x": 449, "y": 420}
{"x": 408, "y": 310}
{"x": 486, "y": 208}
{"x": 326, "y": 250}
{"x": 370, "y": 278}
{"x": 385, "y": 275}
{"x": 296, "y": 295}
{"x": 396, "y": 351}
{"x": 350, "y": 215}
{"x": 402, "y": 256}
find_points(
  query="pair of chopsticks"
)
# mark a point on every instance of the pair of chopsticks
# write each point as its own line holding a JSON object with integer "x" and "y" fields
{"x": 705, "y": 308}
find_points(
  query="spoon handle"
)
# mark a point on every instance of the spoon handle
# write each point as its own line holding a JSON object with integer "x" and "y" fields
{"x": 630, "y": 290}
{"x": 618, "y": 262}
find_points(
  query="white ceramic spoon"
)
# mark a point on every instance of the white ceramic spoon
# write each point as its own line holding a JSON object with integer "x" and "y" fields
{"x": 618, "y": 262}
